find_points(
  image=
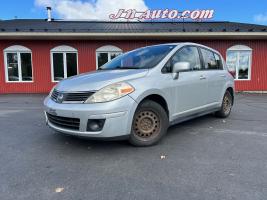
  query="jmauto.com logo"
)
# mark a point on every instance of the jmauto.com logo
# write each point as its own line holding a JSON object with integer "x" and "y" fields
{"x": 133, "y": 14}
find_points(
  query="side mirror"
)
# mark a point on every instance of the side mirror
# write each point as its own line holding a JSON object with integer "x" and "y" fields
{"x": 180, "y": 67}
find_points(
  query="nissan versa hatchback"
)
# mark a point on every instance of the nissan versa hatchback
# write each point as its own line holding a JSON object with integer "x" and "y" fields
{"x": 139, "y": 94}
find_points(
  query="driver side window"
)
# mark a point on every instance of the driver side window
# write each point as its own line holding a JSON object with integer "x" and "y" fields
{"x": 186, "y": 54}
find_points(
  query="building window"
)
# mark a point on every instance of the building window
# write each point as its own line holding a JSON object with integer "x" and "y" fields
{"x": 105, "y": 54}
{"x": 18, "y": 64}
{"x": 239, "y": 59}
{"x": 64, "y": 62}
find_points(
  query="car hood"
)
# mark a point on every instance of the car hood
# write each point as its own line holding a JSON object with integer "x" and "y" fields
{"x": 99, "y": 79}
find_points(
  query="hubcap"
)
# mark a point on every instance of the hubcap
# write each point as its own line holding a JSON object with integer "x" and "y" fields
{"x": 146, "y": 125}
{"x": 227, "y": 104}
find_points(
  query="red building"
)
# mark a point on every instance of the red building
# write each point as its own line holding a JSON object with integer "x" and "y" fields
{"x": 37, "y": 53}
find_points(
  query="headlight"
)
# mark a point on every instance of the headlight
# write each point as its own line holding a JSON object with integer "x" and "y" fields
{"x": 110, "y": 93}
{"x": 50, "y": 93}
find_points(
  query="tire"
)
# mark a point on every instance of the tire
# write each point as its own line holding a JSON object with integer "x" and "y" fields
{"x": 150, "y": 124}
{"x": 226, "y": 107}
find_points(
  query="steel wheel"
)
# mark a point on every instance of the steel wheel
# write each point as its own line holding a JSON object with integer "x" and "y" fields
{"x": 227, "y": 104}
{"x": 149, "y": 125}
{"x": 226, "y": 107}
{"x": 146, "y": 125}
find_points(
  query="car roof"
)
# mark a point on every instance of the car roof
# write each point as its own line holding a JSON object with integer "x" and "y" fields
{"x": 181, "y": 44}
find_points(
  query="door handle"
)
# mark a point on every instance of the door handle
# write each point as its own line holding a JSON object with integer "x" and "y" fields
{"x": 222, "y": 75}
{"x": 202, "y": 77}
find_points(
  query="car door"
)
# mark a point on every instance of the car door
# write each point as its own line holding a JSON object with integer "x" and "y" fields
{"x": 215, "y": 75}
{"x": 190, "y": 88}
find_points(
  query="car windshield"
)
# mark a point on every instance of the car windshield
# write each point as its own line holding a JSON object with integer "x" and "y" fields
{"x": 142, "y": 58}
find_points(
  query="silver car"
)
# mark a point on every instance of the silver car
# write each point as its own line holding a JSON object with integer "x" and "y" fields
{"x": 139, "y": 94}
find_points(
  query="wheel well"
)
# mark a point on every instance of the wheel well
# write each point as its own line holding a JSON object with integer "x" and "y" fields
{"x": 158, "y": 99}
{"x": 231, "y": 90}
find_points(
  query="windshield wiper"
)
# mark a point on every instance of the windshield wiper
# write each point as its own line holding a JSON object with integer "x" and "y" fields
{"x": 121, "y": 67}
{"x": 126, "y": 67}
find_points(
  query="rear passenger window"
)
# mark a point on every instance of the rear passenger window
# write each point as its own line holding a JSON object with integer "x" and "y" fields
{"x": 218, "y": 61}
{"x": 186, "y": 54}
{"x": 211, "y": 60}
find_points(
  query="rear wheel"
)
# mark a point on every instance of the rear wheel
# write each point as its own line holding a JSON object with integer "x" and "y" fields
{"x": 150, "y": 123}
{"x": 226, "y": 105}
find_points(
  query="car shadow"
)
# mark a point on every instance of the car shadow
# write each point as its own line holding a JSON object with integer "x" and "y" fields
{"x": 192, "y": 123}
{"x": 89, "y": 143}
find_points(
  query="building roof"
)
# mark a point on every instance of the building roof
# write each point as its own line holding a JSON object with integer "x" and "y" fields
{"x": 39, "y": 28}
{"x": 38, "y": 25}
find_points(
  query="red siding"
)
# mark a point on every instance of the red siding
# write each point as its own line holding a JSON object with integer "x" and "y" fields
{"x": 87, "y": 61}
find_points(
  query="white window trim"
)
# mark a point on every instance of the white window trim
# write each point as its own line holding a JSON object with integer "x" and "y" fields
{"x": 64, "y": 50}
{"x": 18, "y": 50}
{"x": 109, "y": 49}
{"x": 238, "y": 49}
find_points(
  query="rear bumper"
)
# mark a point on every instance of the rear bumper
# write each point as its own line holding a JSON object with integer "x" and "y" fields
{"x": 118, "y": 117}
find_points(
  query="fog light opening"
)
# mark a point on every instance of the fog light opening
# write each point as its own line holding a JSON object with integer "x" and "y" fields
{"x": 95, "y": 125}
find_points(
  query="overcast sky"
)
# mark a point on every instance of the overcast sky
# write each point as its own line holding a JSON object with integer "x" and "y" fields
{"x": 251, "y": 11}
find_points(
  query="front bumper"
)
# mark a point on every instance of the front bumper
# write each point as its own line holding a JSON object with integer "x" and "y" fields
{"x": 118, "y": 116}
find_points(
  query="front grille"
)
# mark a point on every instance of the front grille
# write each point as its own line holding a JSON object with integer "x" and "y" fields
{"x": 81, "y": 96}
{"x": 64, "y": 122}
{"x": 61, "y": 97}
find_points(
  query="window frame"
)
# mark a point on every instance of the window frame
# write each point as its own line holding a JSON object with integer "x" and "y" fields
{"x": 192, "y": 70}
{"x": 64, "y": 50}
{"x": 109, "y": 49}
{"x": 17, "y": 49}
{"x": 238, "y": 49}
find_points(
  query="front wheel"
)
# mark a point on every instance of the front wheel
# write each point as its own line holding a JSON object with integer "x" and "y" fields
{"x": 150, "y": 123}
{"x": 226, "y": 107}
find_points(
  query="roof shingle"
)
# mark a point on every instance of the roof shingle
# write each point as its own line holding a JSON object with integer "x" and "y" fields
{"x": 39, "y": 25}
